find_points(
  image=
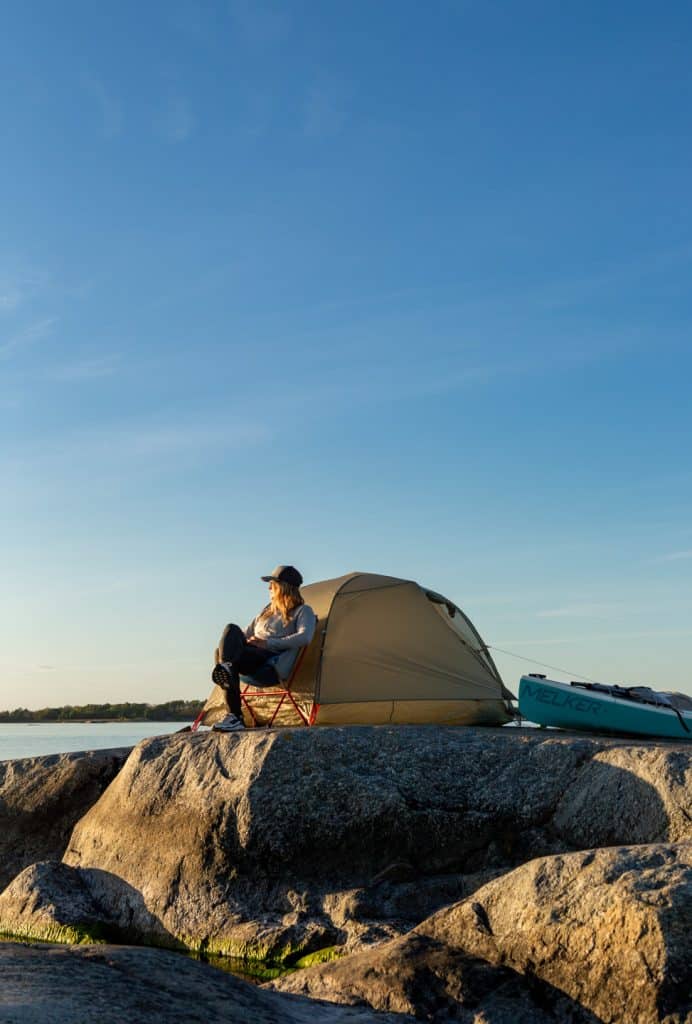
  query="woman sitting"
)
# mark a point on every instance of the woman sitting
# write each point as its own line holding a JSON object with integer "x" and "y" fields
{"x": 285, "y": 625}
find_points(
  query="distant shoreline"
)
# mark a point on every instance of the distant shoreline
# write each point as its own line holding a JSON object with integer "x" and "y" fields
{"x": 100, "y": 714}
{"x": 95, "y": 721}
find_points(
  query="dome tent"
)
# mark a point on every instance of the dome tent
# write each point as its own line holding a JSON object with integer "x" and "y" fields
{"x": 385, "y": 650}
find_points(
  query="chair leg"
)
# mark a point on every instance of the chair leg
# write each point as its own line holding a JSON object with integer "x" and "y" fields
{"x": 248, "y": 705}
{"x": 276, "y": 710}
{"x": 281, "y": 693}
{"x": 283, "y": 696}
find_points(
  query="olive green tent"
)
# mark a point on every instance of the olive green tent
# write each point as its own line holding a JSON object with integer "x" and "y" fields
{"x": 385, "y": 650}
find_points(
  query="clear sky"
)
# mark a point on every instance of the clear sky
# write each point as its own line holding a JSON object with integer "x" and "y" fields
{"x": 368, "y": 285}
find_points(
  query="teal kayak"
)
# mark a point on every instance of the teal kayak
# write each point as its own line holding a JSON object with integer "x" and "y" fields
{"x": 596, "y": 707}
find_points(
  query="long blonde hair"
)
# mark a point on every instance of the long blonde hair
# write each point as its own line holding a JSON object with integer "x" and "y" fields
{"x": 285, "y": 599}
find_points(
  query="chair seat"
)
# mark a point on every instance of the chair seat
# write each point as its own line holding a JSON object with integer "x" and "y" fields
{"x": 257, "y": 688}
{"x": 279, "y": 689}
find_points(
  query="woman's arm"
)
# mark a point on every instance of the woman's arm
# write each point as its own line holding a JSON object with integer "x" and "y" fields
{"x": 305, "y": 622}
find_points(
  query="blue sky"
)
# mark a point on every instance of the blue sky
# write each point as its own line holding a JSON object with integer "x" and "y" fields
{"x": 386, "y": 286}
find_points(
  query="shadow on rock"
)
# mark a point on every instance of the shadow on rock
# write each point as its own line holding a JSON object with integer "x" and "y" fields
{"x": 626, "y": 795}
{"x": 112, "y": 985}
{"x": 421, "y": 976}
{"x": 41, "y": 800}
{"x": 53, "y": 902}
{"x": 601, "y": 935}
{"x": 609, "y": 927}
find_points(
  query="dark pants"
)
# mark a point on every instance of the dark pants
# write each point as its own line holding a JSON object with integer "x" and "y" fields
{"x": 245, "y": 660}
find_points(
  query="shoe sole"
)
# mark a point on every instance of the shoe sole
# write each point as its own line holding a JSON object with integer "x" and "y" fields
{"x": 221, "y": 676}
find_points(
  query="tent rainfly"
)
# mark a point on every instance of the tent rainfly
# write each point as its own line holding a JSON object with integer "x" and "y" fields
{"x": 385, "y": 651}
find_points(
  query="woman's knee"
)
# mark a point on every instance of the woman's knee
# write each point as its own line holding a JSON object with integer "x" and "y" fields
{"x": 232, "y": 642}
{"x": 231, "y": 630}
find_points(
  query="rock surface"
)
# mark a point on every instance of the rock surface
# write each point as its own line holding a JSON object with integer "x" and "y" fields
{"x": 52, "y": 900}
{"x": 277, "y": 843}
{"x": 420, "y": 976}
{"x": 612, "y": 929}
{"x": 42, "y": 798}
{"x": 113, "y": 984}
{"x": 629, "y": 794}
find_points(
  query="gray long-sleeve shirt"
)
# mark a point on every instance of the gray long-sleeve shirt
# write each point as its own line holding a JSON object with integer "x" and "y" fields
{"x": 285, "y": 638}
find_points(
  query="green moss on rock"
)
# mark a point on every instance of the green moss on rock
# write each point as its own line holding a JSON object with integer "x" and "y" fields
{"x": 320, "y": 956}
{"x": 71, "y": 935}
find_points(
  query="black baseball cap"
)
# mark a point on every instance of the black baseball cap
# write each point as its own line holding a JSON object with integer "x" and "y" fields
{"x": 285, "y": 574}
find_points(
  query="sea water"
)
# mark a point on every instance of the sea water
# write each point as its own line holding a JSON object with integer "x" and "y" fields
{"x": 32, "y": 739}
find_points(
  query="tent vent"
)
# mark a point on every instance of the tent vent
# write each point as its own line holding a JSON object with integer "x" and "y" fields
{"x": 439, "y": 599}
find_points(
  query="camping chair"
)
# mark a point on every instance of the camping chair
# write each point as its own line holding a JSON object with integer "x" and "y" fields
{"x": 283, "y": 691}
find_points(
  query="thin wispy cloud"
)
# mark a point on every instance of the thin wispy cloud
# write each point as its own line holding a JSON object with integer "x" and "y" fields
{"x": 398, "y": 379}
{"x": 441, "y": 356}
{"x": 179, "y": 439}
{"x": 26, "y": 337}
{"x": 344, "y": 383}
{"x": 107, "y": 108}
{"x": 674, "y": 556}
{"x": 649, "y": 267}
{"x": 128, "y": 442}
{"x": 10, "y": 296}
{"x": 577, "y": 611}
{"x": 18, "y": 287}
{"x": 87, "y": 369}
{"x": 582, "y": 640}
{"x": 176, "y": 122}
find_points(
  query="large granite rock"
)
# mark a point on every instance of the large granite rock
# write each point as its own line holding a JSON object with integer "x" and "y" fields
{"x": 278, "y": 843}
{"x": 112, "y": 985}
{"x": 610, "y": 929}
{"x": 420, "y": 976}
{"x": 52, "y": 901}
{"x": 42, "y": 798}
{"x": 628, "y": 793}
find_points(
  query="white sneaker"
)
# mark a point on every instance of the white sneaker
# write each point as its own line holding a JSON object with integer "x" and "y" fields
{"x": 228, "y": 724}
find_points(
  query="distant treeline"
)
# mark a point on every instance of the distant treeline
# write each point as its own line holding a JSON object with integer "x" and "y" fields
{"x": 171, "y": 711}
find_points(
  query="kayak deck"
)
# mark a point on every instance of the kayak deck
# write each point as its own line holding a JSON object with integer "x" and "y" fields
{"x": 574, "y": 706}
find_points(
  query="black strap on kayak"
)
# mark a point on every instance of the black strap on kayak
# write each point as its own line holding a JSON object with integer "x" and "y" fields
{"x": 634, "y": 694}
{"x": 681, "y": 719}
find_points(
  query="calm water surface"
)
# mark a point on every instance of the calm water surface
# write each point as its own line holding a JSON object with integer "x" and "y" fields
{"x": 32, "y": 739}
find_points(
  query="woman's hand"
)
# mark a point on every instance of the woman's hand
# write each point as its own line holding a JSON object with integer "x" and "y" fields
{"x": 256, "y": 642}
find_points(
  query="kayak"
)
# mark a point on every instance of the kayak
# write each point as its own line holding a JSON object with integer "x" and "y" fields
{"x": 595, "y": 707}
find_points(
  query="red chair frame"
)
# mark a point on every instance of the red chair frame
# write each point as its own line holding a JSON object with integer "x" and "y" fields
{"x": 283, "y": 692}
